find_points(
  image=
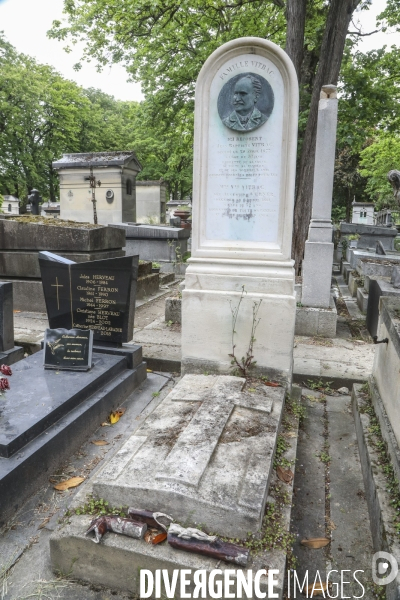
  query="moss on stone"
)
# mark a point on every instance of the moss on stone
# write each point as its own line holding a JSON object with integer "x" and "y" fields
{"x": 38, "y": 220}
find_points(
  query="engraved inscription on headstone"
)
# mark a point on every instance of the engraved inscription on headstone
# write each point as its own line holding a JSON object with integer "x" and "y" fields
{"x": 245, "y": 102}
{"x": 245, "y": 151}
{"x": 68, "y": 349}
{"x": 93, "y": 295}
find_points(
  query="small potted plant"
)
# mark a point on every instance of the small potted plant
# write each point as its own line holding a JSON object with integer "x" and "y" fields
{"x": 182, "y": 211}
{"x": 155, "y": 267}
{"x": 353, "y": 239}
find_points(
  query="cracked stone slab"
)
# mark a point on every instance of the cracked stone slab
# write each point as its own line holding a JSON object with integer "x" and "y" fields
{"x": 204, "y": 456}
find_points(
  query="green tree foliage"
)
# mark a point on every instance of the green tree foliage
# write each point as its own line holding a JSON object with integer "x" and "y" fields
{"x": 377, "y": 160}
{"x": 43, "y": 115}
{"x": 369, "y": 109}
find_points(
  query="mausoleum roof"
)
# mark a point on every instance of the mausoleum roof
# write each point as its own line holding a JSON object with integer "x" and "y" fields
{"x": 96, "y": 159}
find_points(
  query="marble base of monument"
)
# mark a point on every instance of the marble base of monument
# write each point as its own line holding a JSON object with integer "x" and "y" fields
{"x": 210, "y": 292}
{"x": 47, "y": 415}
{"x": 204, "y": 456}
{"x": 316, "y": 321}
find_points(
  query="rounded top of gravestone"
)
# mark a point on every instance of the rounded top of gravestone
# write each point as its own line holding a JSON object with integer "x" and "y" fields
{"x": 328, "y": 91}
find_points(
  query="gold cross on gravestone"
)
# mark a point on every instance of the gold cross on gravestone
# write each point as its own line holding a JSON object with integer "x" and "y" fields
{"x": 56, "y": 285}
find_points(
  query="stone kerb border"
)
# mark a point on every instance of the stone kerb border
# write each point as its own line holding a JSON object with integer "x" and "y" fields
{"x": 215, "y": 249}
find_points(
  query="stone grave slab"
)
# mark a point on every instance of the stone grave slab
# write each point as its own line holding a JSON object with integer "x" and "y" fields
{"x": 47, "y": 414}
{"x": 204, "y": 456}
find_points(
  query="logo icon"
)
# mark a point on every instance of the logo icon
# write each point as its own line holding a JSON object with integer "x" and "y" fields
{"x": 384, "y": 568}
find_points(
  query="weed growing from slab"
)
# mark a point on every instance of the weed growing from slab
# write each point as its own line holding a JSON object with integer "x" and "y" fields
{"x": 97, "y": 508}
{"x": 320, "y": 386}
{"x": 281, "y": 446}
{"x": 243, "y": 365}
{"x": 295, "y": 408}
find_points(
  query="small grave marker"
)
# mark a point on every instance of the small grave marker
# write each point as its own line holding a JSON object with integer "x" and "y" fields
{"x": 68, "y": 349}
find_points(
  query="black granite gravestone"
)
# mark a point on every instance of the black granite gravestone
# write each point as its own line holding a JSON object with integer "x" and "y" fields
{"x": 94, "y": 295}
{"x": 68, "y": 349}
{"x": 373, "y": 307}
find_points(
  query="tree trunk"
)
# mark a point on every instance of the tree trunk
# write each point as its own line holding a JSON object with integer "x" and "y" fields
{"x": 296, "y": 20}
{"x": 330, "y": 59}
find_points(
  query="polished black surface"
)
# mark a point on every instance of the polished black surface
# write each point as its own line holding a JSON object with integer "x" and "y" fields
{"x": 94, "y": 295}
{"x": 68, "y": 349}
{"x": 43, "y": 396}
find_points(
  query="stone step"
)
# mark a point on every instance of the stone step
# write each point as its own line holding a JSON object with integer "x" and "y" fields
{"x": 49, "y": 414}
{"x": 147, "y": 285}
{"x": 166, "y": 278}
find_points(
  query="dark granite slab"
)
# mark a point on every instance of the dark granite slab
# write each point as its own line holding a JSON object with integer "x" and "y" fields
{"x": 38, "y": 397}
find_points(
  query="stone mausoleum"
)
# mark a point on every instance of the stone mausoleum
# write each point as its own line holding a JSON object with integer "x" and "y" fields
{"x": 363, "y": 212}
{"x": 150, "y": 201}
{"x": 115, "y": 174}
{"x": 10, "y": 205}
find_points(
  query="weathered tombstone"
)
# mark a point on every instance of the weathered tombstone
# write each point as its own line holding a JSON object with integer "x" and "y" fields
{"x": 8, "y": 352}
{"x": 34, "y": 200}
{"x": 243, "y": 191}
{"x": 318, "y": 256}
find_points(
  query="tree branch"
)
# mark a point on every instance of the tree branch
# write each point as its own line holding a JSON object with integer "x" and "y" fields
{"x": 363, "y": 34}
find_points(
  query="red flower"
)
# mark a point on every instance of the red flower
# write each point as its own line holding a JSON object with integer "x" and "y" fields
{"x": 5, "y": 369}
{"x": 4, "y": 385}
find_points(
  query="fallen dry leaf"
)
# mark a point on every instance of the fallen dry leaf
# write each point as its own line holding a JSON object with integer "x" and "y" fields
{"x": 284, "y": 475}
{"x": 290, "y": 434}
{"x": 319, "y": 590}
{"x": 315, "y": 542}
{"x": 272, "y": 384}
{"x": 115, "y": 416}
{"x": 69, "y": 483}
{"x": 100, "y": 443}
{"x": 152, "y": 536}
{"x": 105, "y": 424}
{"x": 44, "y": 523}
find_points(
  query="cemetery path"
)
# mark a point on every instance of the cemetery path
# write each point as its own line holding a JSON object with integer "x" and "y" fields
{"x": 340, "y": 359}
{"x": 329, "y": 495}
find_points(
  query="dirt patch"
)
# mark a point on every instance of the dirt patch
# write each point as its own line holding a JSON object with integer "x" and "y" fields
{"x": 240, "y": 427}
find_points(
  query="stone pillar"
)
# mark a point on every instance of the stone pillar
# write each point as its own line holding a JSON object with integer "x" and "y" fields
{"x": 318, "y": 256}
{"x": 246, "y": 112}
